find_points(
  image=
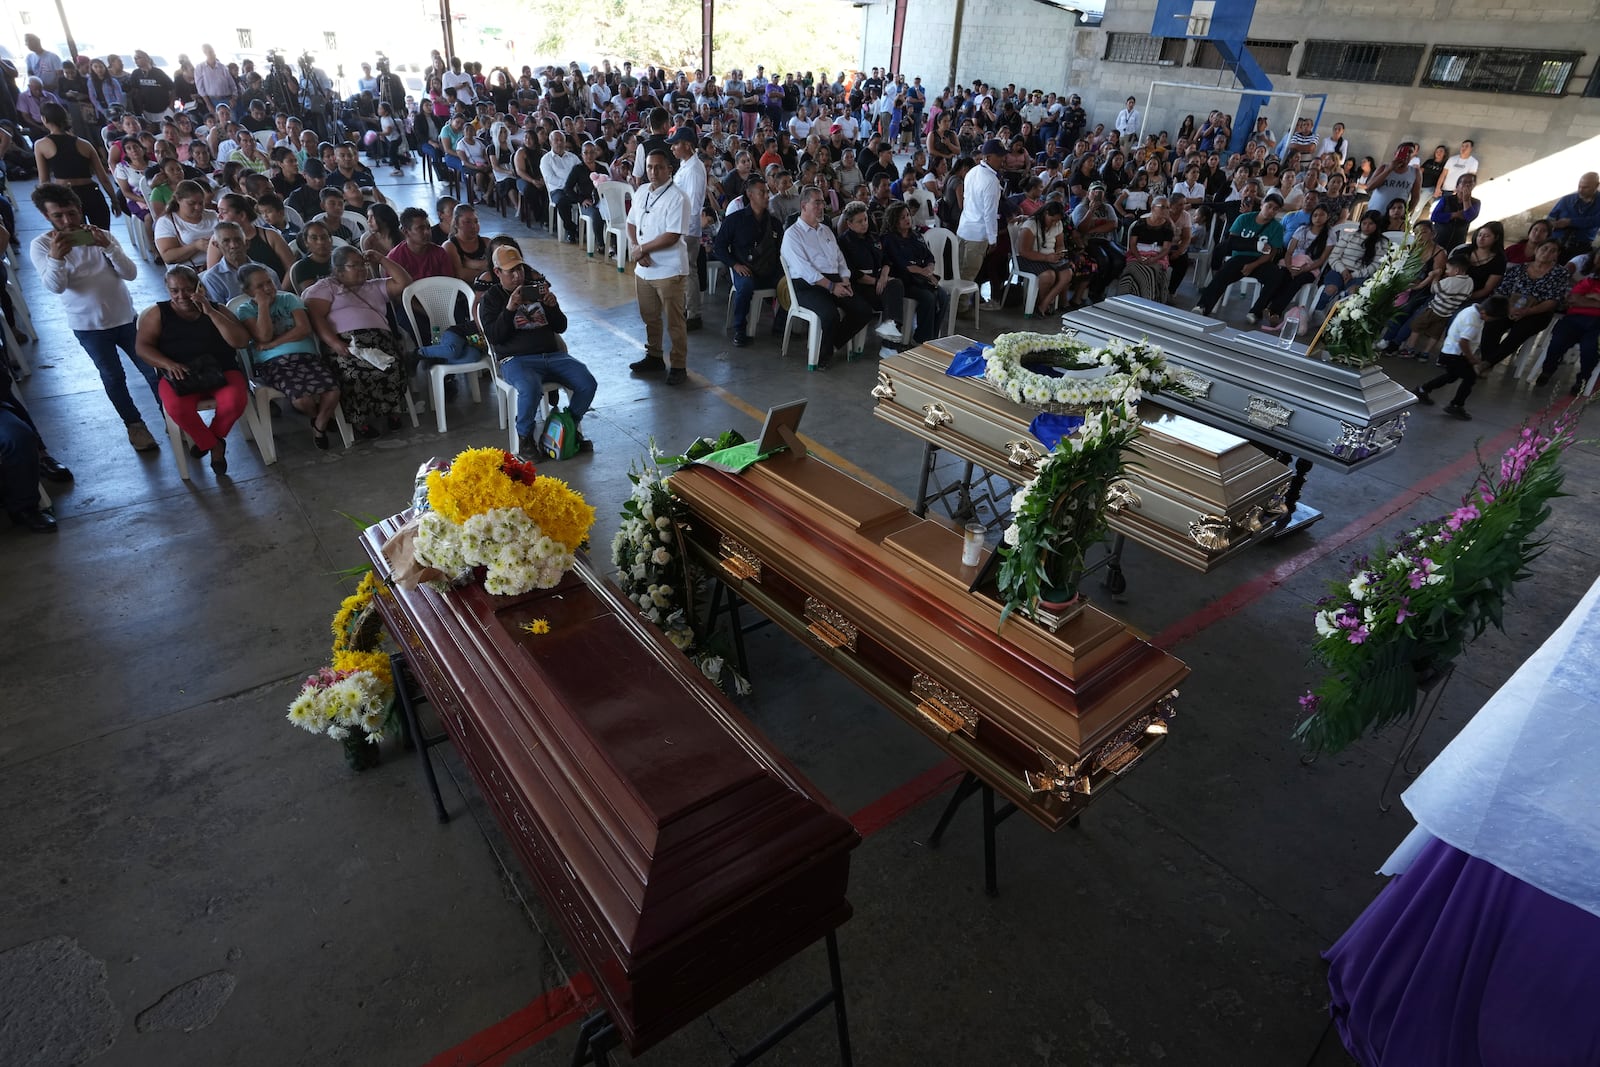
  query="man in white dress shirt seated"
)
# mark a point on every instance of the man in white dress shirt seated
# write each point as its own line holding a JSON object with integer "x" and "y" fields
{"x": 821, "y": 278}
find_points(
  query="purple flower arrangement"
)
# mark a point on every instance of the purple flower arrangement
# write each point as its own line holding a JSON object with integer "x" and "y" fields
{"x": 1409, "y": 609}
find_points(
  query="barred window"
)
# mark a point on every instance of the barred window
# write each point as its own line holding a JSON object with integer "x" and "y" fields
{"x": 1143, "y": 48}
{"x": 1374, "y": 62}
{"x": 1500, "y": 70}
{"x": 1271, "y": 56}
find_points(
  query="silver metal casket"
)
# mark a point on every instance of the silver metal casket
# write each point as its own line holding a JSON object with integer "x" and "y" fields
{"x": 1195, "y": 494}
{"x": 1248, "y": 383}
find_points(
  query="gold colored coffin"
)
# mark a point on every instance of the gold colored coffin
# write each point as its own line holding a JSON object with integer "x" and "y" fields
{"x": 1047, "y": 719}
{"x": 1196, "y": 494}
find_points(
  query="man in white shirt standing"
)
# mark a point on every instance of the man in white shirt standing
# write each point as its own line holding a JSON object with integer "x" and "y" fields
{"x": 691, "y": 181}
{"x": 555, "y": 166}
{"x": 213, "y": 82}
{"x": 89, "y": 270}
{"x": 42, "y": 64}
{"x": 455, "y": 79}
{"x": 979, "y": 227}
{"x": 1462, "y": 163}
{"x": 1128, "y": 120}
{"x": 820, "y": 277}
{"x": 656, "y": 225}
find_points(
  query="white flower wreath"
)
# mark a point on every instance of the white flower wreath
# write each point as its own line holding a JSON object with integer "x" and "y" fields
{"x": 1128, "y": 369}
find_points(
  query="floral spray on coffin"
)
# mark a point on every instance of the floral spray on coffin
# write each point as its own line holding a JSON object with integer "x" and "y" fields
{"x": 1061, "y": 513}
{"x": 655, "y": 570}
{"x": 491, "y": 517}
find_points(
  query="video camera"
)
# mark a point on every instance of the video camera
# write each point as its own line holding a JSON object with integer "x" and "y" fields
{"x": 383, "y": 63}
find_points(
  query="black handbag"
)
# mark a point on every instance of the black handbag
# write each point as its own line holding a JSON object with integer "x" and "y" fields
{"x": 203, "y": 376}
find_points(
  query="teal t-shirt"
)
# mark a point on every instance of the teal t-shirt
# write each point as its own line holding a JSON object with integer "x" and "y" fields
{"x": 1266, "y": 236}
{"x": 284, "y": 305}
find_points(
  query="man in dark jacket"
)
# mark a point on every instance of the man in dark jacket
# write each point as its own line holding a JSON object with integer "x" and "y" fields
{"x": 749, "y": 241}
{"x": 523, "y": 323}
{"x": 149, "y": 89}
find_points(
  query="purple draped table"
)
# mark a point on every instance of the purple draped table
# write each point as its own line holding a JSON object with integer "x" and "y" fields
{"x": 1485, "y": 947}
{"x": 1458, "y": 963}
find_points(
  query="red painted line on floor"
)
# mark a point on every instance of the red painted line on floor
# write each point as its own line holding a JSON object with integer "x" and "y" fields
{"x": 889, "y": 807}
{"x": 543, "y": 1018}
{"x": 1242, "y": 596}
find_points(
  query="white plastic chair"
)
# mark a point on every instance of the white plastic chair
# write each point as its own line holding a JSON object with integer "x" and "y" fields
{"x": 19, "y": 362}
{"x": 942, "y": 243}
{"x": 291, "y": 216}
{"x": 261, "y": 398}
{"x": 924, "y": 208}
{"x": 357, "y": 224}
{"x": 1531, "y": 355}
{"x": 139, "y": 237}
{"x": 558, "y": 225}
{"x": 1018, "y": 276}
{"x": 20, "y": 306}
{"x": 438, "y": 298}
{"x": 758, "y": 297}
{"x": 264, "y": 139}
{"x": 714, "y": 268}
{"x": 180, "y": 440}
{"x": 804, "y": 314}
{"x": 1249, "y": 288}
{"x": 615, "y": 200}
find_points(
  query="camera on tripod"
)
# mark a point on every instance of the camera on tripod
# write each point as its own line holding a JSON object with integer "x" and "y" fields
{"x": 383, "y": 63}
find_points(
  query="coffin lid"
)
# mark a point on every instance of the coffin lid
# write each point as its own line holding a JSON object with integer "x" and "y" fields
{"x": 1361, "y": 396}
{"x": 900, "y": 576}
{"x": 667, "y": 805}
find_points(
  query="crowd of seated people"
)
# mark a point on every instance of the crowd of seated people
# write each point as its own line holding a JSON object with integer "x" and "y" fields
{"x": 227, "y": 176}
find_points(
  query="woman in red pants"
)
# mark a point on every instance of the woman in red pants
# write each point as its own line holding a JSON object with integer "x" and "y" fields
{"x": 191, "y": 341}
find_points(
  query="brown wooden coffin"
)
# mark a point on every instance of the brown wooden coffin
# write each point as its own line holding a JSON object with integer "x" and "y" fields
{"x": 681, "y": 853}
{"x": 1048, "y": 719}
{"x": 1194, "y": 493}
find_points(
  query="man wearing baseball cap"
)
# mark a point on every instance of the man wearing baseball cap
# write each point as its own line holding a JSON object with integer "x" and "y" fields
{"x": 523, "y": 322}
{"x": 1073, "y": 120}
{"x": 979, "y": 227}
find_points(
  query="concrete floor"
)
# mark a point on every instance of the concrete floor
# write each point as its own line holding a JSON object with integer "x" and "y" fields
{"x": 169, "y": 835}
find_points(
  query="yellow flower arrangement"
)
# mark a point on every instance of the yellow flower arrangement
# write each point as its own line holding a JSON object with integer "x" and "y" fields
{"x": 376, "y": 662}
{"x": 353, "y": 605}
{"x": 536, "y": 627}
{"x": 477, "y": 483}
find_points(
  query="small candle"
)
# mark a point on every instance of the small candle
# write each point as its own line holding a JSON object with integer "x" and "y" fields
{"x": 972, "y": 544}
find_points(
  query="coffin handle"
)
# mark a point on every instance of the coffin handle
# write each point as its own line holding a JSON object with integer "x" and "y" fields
{"x": 935, "y": 416}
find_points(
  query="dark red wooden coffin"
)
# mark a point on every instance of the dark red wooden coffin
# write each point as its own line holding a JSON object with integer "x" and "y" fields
{"x": 1047, "y": 718}
{"x": 683, "y": 856}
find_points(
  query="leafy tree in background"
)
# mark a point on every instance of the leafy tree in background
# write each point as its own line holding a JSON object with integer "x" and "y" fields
{"x": 799, "y": 35}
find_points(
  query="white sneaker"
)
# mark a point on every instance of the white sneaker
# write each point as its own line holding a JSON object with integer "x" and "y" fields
{"x": 1382, "y": 346}
{"x": 889, "y": 330}
{"x": 1252, "y": 318}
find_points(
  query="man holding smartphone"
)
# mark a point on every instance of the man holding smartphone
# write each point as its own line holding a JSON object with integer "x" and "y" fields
{"x": 523, "y": 322}
{"x": 88, "y": 269}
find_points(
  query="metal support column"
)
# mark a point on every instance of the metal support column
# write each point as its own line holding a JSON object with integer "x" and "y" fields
{"x": 899, "y": 35}
{"x": 707, "y": 13}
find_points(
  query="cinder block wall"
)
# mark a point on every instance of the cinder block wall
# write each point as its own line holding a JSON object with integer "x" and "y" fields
{"x": 1033, "y": 45}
